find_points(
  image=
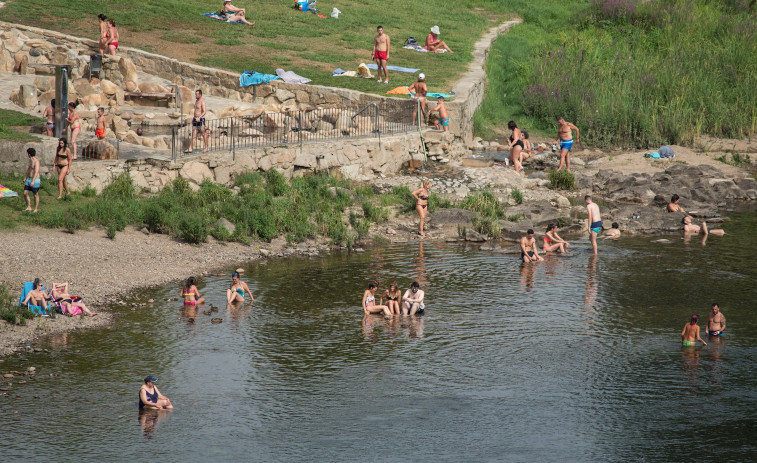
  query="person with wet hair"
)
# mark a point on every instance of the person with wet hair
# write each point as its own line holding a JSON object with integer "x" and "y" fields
{"x": 552, "y": 241}
{"x": 369, "y": 301}
{"x": 614, "y": 232}
{"x": 690, "y": 229}
{"x": 236, "y": 291}
{"x": 690, "y": 333}
{"x": 190, "y": 293}
{"x": 715, "y": 321}
{"x": 528, "y": 250}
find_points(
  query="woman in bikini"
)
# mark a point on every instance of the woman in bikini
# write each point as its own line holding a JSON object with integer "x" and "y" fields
{"x": 236, "y": 291}
{"x": 552, "y": 241}
{"x": 49, "y": 116}
{"x": 690, "y": 333}
{"x": 393, "y": 298}
{"x": 74, "y": 123}
{"x": 62, "y": 165}
{"x": 70, "y": 305}
{"x": 233, "y": 16}
{"x": 516, "y": 146}
{"x": 103, "y": 32}
{"x": 369, "y": 302}
{"x": 421, "y": 196}
{"x": 113, "y": 37}
{"x": 190, "y": 293}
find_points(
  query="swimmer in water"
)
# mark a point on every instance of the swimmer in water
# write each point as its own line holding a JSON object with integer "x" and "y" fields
{"x": 690, "y": 229}
{"x": 369, "y": 302}
{"x": 236, "y": 291}
{"x": 190, "y": 293}
{"x": 690, "y": 333}
{"x": 614, "y": 232}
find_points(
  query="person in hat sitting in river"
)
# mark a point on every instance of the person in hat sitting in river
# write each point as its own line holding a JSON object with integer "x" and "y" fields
{"x": 433, "y": 43}
{"x": 151, "y": 398}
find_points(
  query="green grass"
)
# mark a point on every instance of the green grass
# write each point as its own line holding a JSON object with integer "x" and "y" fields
{"x": 562, "y": 180}
{"x": 659, "y": 72}
{"x": 9, "y": 309}
{"x": 282, "y": 36}
{"x": 10, "y": 118}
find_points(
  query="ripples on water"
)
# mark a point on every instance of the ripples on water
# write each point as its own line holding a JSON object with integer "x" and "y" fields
{"x": 574, "y": 359}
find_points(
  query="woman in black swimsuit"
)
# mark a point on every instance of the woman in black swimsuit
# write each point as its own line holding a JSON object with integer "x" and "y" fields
{"x": 421, "y": 195}
{"x": 62, "y": 165}
{"x": 393, "y": 298}
{"x": 516, "y": 146}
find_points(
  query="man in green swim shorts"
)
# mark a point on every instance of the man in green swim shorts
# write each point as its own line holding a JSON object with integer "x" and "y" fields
{"x": 690, "y": 333}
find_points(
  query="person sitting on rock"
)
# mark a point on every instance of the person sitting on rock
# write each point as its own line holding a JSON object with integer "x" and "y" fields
{"x": 614, "y": 232}
{"x": 673, "y": 205}
{"x": 552, "y": 241}
{"x": 690, "y": 229}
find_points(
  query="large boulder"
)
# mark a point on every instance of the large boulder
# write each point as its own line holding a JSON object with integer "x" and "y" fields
{"x": 6, "y": 61}
{"x": 128, "y": 69}
{"x": 83, "y": 88}
{"x": 195, "y": 172}
{"x": 26, "y": 96}
{"x": 108, "y": 87}
{"x": 21, "y": 62}
{"x": 152, "y": 87}
{"x": 100, "y": 149}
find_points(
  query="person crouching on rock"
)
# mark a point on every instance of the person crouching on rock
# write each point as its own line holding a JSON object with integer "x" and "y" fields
{"x": 151, "y": 398}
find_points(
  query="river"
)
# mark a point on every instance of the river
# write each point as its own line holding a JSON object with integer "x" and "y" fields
{"x": 574, "y": 359}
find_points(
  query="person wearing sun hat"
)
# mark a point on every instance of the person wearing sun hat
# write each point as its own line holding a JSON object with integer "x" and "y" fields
{"x": 419, "y": 90}
{"x": 433, "y": 44}
{"x": 150, "y": 397}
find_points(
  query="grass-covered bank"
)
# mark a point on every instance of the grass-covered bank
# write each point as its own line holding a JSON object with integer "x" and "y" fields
{"x": 282, "y": 37}
{"x": 628, "y": 73}
{"x": 10, "y": 118}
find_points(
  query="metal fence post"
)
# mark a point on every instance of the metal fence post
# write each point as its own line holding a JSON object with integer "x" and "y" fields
{"x": 173, "y": 143}
{"x": 233, "y": 147}
{"x": 299, "y": 130}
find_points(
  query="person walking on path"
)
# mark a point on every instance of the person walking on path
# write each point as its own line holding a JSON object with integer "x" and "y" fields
{"x": 690, "y": 333}
{"x": 565, "y": 137}
{"x": 104, "y": 33}
{"x": 380, "y": 53}
{"x": 595, "y": 221}
{"x": 31, "y": 181}
{"x": 715, "y": 321}
{"x": 62, "y": 165}
{"x": 198, "y": 121}
{"x": 113, "y": 37}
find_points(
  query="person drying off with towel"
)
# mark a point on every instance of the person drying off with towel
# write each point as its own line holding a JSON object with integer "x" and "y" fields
{"x": 433, "y": 43}
{"x": 380, "y": 53}
{"x": 443, "y": 120}
{"x": 419, "y": 90}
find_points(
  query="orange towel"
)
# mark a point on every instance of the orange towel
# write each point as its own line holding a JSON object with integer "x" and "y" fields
{"x": 399, "y": 91}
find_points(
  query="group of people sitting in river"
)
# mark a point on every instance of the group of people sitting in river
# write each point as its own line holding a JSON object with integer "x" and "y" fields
{"x": 234, "y": 295}
{"x": 410, "y": 303}
{"x": 58, "y": 296}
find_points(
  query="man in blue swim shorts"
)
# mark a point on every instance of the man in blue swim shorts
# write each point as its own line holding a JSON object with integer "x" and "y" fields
{"x": 31, "y": 181}
{"x": 443, "y": 120}
{"x": 595, "y": 222}
{"x": 565, "y": 137}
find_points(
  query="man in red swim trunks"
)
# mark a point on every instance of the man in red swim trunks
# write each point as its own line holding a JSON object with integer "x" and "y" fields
{"x": 101, "y": 123}
{"x": 381, "y": 52}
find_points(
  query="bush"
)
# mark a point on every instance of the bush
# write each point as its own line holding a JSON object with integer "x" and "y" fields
{"x": 562, "y": 180}
{"x": 484, "y": 203}
{"x": 375, "y": 214}
{"x": 121, "y": 188}
{"x": 10, "y": 311}
{"x": 275, "y": 183}
{"x": 517, "y": 195}
{"x": 73, "y": 219}
{"x": 111, "y": 232}
{"x": 192, "y": 229}
{"x": 487, "y": 226}
{"x": 89, "y": 192}
{"x": 360, "y": 224}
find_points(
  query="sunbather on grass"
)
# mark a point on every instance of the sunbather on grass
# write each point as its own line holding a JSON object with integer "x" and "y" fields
{"x": 237, "y": 16}
{"x": 71, "y": 305}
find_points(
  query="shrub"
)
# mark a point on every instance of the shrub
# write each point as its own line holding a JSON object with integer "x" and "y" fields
{"x": 484, "y": 203}
{"x": 375, "y": 214}
{"x": 275, "y": 183}
{"x": 437, "y": 202}
{"x": 88, "y": 192}
{"x": 212, "y": 192}
{"x": 111, "y": 232}
{"x": 221, "y": 233}
{"x": 517, "y": 195}
{"x": 360, "y": 224}
{"x": 562, "y": 180}
{"x": 73, "y": 219}
{"x": 121, "y": 188}
{"x": 487, "y": 226}
{"x": 192, "y": 229}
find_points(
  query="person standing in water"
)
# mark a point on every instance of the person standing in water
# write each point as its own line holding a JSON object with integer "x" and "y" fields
{"x": 236, "y": 291}
{"x": 715, "y": 321}
{"x": 565, "y": 137}
{"x": 595, "y": 221}
{"x": 421, "y": 196}
{"x": 690, "y": 333}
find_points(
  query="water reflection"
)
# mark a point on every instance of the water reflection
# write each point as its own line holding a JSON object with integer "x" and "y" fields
{"x": 527, "y": 273}
{"x": 150, "y": 419}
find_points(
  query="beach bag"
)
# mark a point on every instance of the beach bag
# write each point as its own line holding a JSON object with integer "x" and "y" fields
{"x": 666, "y": 152}
{"x": 411, "y": 41}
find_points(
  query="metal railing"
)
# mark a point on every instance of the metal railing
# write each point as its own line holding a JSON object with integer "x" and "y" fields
{"x": 294, "y": 127}
{"x": 84, "y": 153}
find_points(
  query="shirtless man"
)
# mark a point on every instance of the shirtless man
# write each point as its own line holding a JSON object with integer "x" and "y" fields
{"x": 412, "y": 300}
{"x": 101, "y": 123}
{"x": 690, "y": 229}
{"x": 49, "y": 115}
{"x": 715, "y": 321}
{"x": 528, "y": 250}
{"x": 673, "y": 205}
{"x": 31, "y": 181}
{"x": 433, "y": 44}
{"x": 614, "y": 232}
{"x": 198, "y": 121}
{"x": 419, "y": 90}
{"x": 36, "y": 296}
{"x": 595, "y": 221}
{"x": 380, "y": 52}
{"x": 565, "y": 137}
{"x": 443, "y": 120}
{"x": 690, "y": 332}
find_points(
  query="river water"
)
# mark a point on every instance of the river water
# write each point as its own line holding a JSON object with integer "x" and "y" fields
{"x": 574, "y": 359}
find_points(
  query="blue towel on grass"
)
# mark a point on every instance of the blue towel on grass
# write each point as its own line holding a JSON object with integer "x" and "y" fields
{"x": 255, "y": 78}
{"x": 215, "y": 15}
{"x": 393, "y": 68}
{"x": 437, "y": 95}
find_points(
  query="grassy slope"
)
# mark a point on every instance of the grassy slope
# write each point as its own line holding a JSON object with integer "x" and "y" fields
{"x": 637, "y": 74}
{"x": 10, "y": 118}
{"x": 282, "y": 37}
